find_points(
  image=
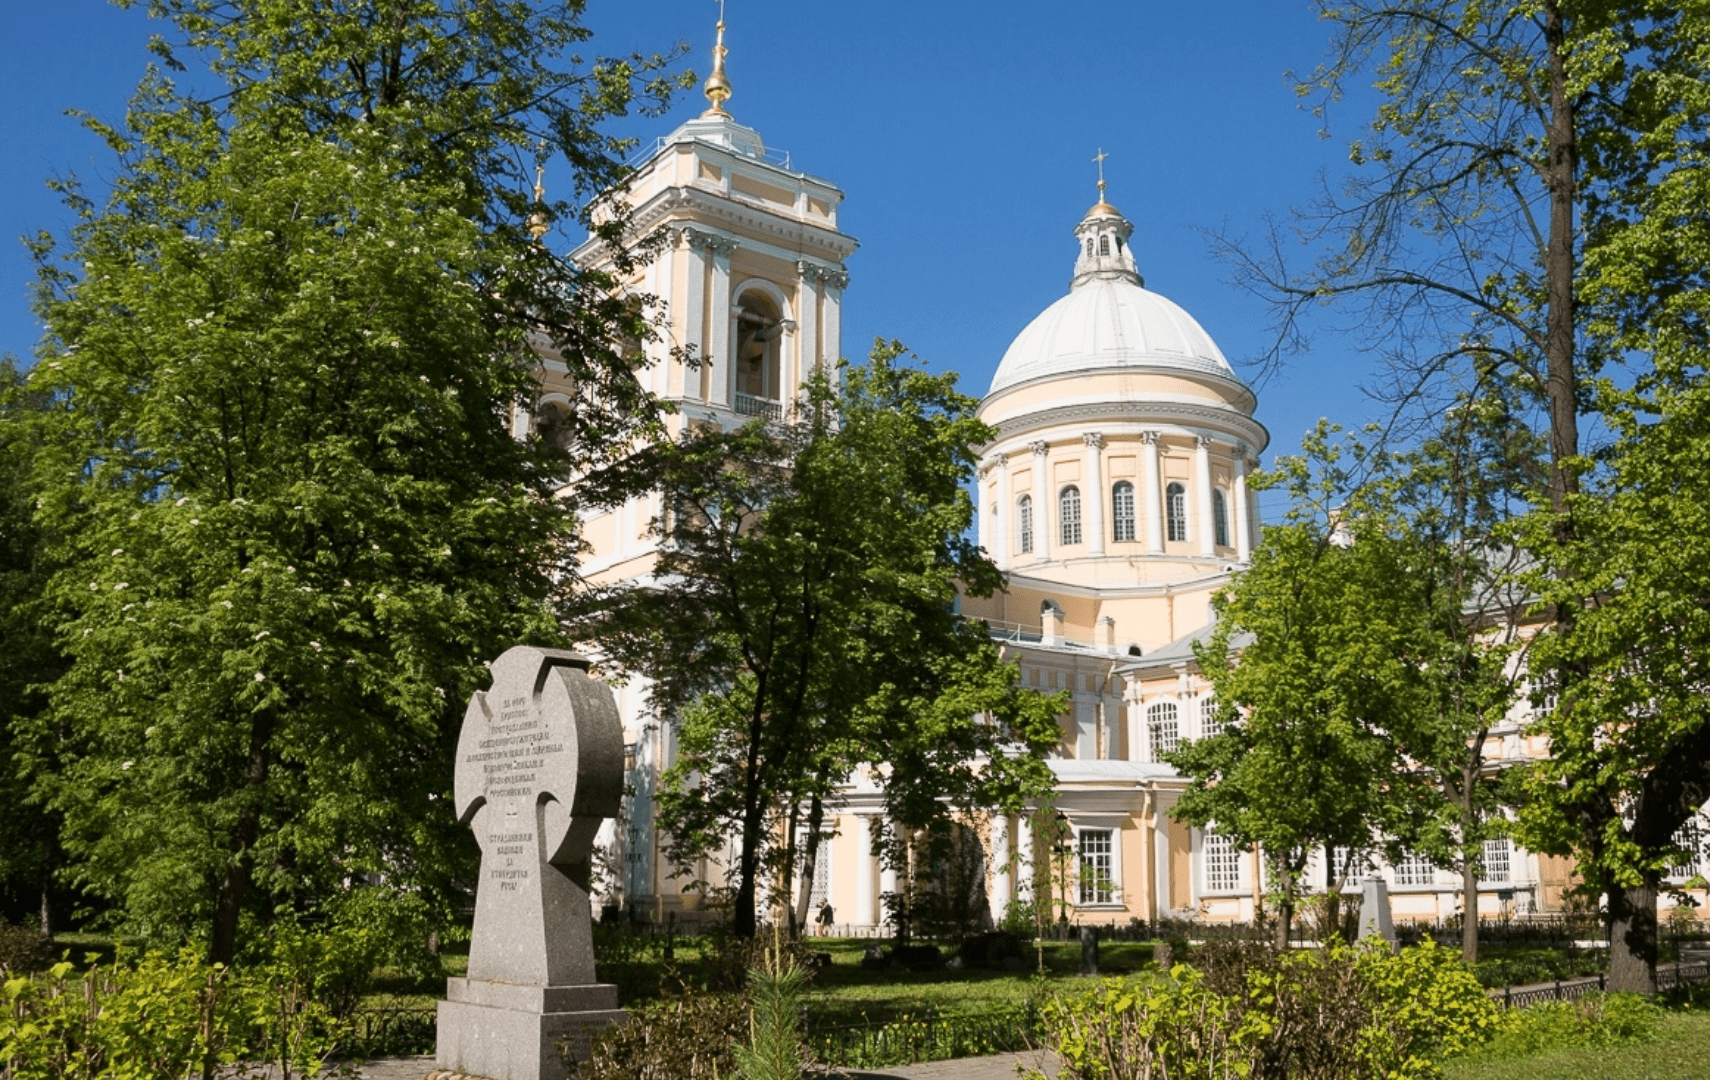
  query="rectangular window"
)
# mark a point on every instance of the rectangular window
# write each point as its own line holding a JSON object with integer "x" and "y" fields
{"x": 1098, "y": 882}
{"x": 1497, "y": 861}
{"x": 1209, "y": 725}
{"x": 1222, "y": 864}
{"x": 1162, "y": 721}
{"x": 1415, "y": 870}
{"x": 1024, "y": 524}
{"x": 1689, "y": 837}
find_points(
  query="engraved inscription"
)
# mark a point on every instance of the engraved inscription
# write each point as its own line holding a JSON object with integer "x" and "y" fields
{"x": 513, "y": 752}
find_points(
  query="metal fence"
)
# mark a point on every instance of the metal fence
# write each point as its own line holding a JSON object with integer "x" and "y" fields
{"x": 929, "y": 1037}
{"x": 1669, "y": 977}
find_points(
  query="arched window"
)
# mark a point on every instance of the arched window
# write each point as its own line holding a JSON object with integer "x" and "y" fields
{"x": 1024, "y": 523}
{"x": 1164, "y": 726}
{"x": 1089, "y": 247}
{"x": 1122, "y": 503}
{"x": 1104, "y": 245}
{"x": 1119, "y": 245}
{"x": 1219, "y": 519}
{"x": 759, "y": 328}
{"x": 1175, "y": 509}
{"x": 1069, "y": 515}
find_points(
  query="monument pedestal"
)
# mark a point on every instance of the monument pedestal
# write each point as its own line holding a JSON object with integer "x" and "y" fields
{"x": 504, "y": 1031}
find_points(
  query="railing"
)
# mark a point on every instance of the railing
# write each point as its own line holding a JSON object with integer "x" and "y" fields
{"x": 1669, "y": 977}
{"x": 749, "y": 405}
{"x": 1001, "y": 630}
{"x": 908, "y": 1039}
{"x": 645, "y": 152}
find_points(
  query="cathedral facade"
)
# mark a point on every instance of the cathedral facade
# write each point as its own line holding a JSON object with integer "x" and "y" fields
{"x": 1114, "y": 496}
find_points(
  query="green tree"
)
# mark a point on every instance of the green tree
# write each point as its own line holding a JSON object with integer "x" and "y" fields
{"x": 800, "y": 624}
{"x": 1305, "y": 670}
{"x": 289, "y": 515}
{"x": 1629, "y": 762}
{"x": 1506, "y": 225}
{"x": 29, "y": 846}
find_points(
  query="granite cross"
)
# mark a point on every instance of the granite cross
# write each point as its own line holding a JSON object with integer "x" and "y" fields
{"x": 539, "y": 767}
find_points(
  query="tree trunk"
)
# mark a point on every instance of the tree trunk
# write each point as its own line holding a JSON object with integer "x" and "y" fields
{"x": 1332, "y": 895}
{"x": 1559, "y": 317}
{"x": 1285, "y": 918}
{"x": 1633, "y": 939}
{"x": 47, "y": 911}
{"x": 241, "y": 865}
{"x": 792, "y": 927}
{"x": 810, "y": 859}
{"x": 1469, "y": 908}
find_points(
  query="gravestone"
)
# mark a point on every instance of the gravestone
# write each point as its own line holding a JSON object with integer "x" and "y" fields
{"x": 1089, "y": 951}
{"x": 539, "y": 768}
{"x": 1374, "y": 911}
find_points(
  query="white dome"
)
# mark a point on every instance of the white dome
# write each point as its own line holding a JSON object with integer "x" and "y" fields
{"x": 1110, "y": 321}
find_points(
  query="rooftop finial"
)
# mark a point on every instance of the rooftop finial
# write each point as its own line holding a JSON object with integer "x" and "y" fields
{"x": 1101, "y": 207}
{"x": 717, "y": 87}
{"x": 537, "y": 227}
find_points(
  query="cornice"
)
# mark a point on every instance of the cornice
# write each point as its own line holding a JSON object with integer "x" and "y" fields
{"x": 1237, "y": 428}
{"x": 739, "y": 211}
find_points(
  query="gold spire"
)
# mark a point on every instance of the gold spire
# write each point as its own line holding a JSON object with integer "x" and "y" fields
{"x": 717, "y": 87}
{"x": 537, "y": 226}
{"x": 1102, "y": 207}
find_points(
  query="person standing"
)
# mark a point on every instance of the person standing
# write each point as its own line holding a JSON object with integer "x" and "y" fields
{"x": 824, "y": 917}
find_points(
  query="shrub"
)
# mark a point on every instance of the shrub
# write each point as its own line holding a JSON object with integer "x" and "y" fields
{"x": 154, "y": 1019}
{"x": 1596, "y": 1021}
{"x": 23, "y": 950}
{"x": 1268, "y": 1015}
{"x": 688, "y": 1037}
{"x": 1155, "y": 1026}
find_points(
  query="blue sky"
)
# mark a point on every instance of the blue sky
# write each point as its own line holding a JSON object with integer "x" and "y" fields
{"x": 961, "y": 133}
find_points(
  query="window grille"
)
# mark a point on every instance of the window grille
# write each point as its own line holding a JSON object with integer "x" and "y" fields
{"x": 1122, "y": 505}
{"x": 1104, "y": 245}
{"x": 1175, "y": 506}
{"x": 1689, "y": 837}
{"x": 1414, "y": 870}
{"x": 1024, "y": 523}
{"x": 1069, "y": 515}
{"x": 1222, "y": 864}
{"x": 1219, "y": 519}
{"x": 1097, "y": 866}
{"x": 1163, "y": 723}
{"x": 1498, "y": 860}
{"x": 1209, "y": 725}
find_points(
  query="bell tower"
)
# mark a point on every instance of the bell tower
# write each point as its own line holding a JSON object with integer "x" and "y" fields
{"x": 750, "y": 269}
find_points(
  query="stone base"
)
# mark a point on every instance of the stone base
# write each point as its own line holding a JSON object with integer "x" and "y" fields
{"x": 503, "y": 1031}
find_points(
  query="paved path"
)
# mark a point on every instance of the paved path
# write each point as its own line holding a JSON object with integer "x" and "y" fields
{"x": 1000, "y": 1067}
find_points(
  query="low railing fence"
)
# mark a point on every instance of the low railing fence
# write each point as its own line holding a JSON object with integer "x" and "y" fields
{"x": 1669, "y": 977}
{"x": 928, "y": 1037}
{"x": 392, "y": 1032}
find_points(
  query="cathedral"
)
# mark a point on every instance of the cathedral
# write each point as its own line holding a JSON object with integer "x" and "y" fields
{"x": 1114, "y": 496}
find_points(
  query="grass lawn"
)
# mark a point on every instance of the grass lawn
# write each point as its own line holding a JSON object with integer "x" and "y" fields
{"x": 1681, "y": 1052}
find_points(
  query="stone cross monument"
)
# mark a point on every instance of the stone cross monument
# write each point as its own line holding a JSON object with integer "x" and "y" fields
{"x": 539, "y": 767}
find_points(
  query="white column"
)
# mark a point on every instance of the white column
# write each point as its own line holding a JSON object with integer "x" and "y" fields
{"x": 1092, "y": 500}
{"x": 807, "y": 324}
{"x": 1153, "y": 502}
{"x": 719, "y": 335}
{"x": 983, "y": 509}
{"x": 1000, "y": 867}
{"x": 1136, "y": 722}
{"x": 1005, "y": 523}
{"x": 695, "y": 314}
{"x": 1161, "y": 856}
{"x": 864, "y": 907}
{"x": 1202, "y": 493}
{"x": 1041, "y": 499}
{"x": 832, "y": 331}
{"x": 1243, "y": 537}
{"x": 1023, "y": 857}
